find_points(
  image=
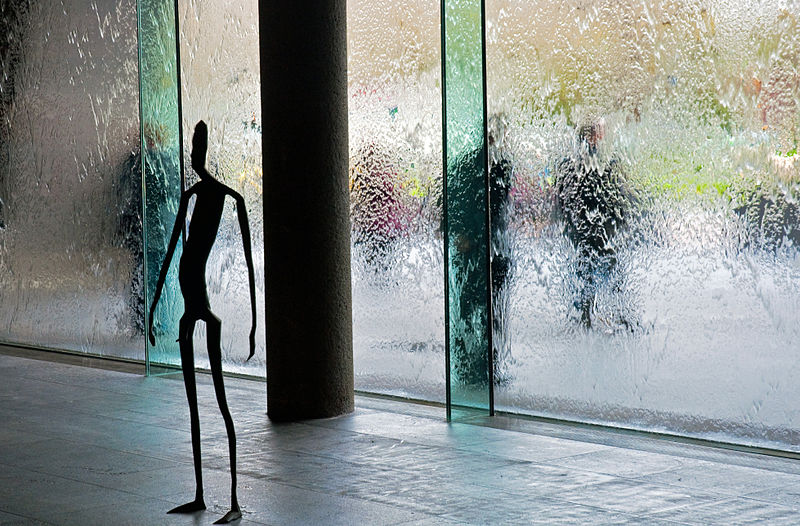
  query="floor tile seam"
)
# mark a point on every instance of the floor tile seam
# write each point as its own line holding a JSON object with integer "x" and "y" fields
{"x": 90, "y": 483}
{"x": 109, "y": 449}
{"x": 570, "y": 441}
{"x": 713, "y": 497}
{"x": 682, "y": 487}
{"x": 85, "y": 382}
{"x": 99, "y": 391}
{"x": 410, "y": 505}
{"x": 399, "y": 440}
{"x": 708, "y": 504}
{"x": 638, "y": 480}
{"x": 548, "y": 493}
{"x": 410, "y": 444}
{"x": 556, "y": 463}
{"x": 676, "y": 487}
{"x": 501, "y": 456}
{"x": 692, "y": 505}
{"x": 720, "y": 456}
{"x": 107, "y": 417}
{"x": 26, "y": 517}
{"x": 403, "y": 522}
{"x": 32, "y": 521}
{"x": 290, "y": 485}
{"x": 30, "y": 444}
{"x": 158, "y": 425}
{"x": 429, "y": 518}
{"x": 87, "y": 371}
{"x": 748, "y": 497}
{"x": 557, "y": 500}
{"x": 40, "y": 471}
{"x": 645, "y": 518}
{"x": 277, "y": 477}
{"x": 647, "y": 444}
{"x": 426, "y": 420}
{"x": 355, "y": 463}
{"x": 650, "y": 513}
{"x": 144, "y": 498}
{"x": 408, "y": 440}
{"x": 726, "y": 457}
{"x": 37, "y": 437}
{"x": 716, "y": 492}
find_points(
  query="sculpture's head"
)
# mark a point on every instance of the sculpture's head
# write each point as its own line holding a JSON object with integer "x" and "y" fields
{"x": 200, "y": 148}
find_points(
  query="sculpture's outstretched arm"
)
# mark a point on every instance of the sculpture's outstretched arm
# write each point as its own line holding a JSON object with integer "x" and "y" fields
{"x": 180, "y": 222}
{"x": 244, "y": 226}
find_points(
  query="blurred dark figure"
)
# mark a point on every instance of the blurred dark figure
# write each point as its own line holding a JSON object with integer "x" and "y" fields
{"x": 130, "y": 236}
{"x": 593, "y": 202}
{"x": 210, "y": 200}
{"x": 378, "y": 214}
{"x": 771, "y": 217}
{"x": 500, "y": 180}
{"x": 467, "y": 223}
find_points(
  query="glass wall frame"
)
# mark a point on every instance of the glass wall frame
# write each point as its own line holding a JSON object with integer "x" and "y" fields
{"x": 466, "y": 220}
{"x": 162, "y": 171}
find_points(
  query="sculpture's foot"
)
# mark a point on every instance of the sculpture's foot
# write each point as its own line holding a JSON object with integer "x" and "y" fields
{"x": 190, "y": 507}
{"x": 233, "y": 515}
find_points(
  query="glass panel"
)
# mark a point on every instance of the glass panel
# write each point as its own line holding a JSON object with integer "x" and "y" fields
{"x": 395, "y": 197}
{"x": 221, "y": 85}
{"x": 70, "y": 223}
{"x": 162, "y": 178}
{"x": 653, "y": 225}
{"x": 466, "y": 204}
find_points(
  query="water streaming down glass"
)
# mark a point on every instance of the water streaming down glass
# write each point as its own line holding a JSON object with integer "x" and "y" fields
{"x": 221, "y": 85}
{"x": 395, "y": 197}
{"x": 70, "y": 248}
{"x": 693, "y": 329}
{"x": 692, "y": 300}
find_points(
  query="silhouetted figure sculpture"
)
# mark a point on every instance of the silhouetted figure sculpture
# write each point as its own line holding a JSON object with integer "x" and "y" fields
{"x": 593, "y": 201}
{"x": 202, "y": 233}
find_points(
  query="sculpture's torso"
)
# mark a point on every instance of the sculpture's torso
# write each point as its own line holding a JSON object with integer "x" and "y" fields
{"x": 202, "y": 232}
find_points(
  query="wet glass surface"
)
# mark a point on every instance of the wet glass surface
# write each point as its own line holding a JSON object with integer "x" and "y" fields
{"x": 221, "y": 85}
{"x": 162, "y": 177}
{"x": 395, "y": 197}
{"x": 653, "y": 224}
{"x": 466, "y": 204}
{"x": 70, "y": 218}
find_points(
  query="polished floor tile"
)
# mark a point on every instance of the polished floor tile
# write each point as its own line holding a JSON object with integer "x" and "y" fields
{"x": 93, "y": 445}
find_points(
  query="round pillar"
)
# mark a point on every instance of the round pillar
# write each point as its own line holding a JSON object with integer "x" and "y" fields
{"x": 306, "y": 208}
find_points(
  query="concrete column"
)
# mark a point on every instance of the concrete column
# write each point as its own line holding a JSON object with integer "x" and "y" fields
{"x": 306, "y": 208}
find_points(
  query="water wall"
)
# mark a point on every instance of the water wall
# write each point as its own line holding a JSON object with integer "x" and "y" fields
{"x": 395, "y": 124}
{"x": 652, "y": 220}
{"x": 642, "y": 173}
{"x": 70, "y": 179}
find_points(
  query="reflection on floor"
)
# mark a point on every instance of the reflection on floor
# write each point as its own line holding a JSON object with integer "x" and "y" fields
{"x": 84, "y": 445}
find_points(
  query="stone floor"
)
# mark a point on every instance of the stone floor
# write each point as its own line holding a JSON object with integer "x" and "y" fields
{"x": 86, "y": 445}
